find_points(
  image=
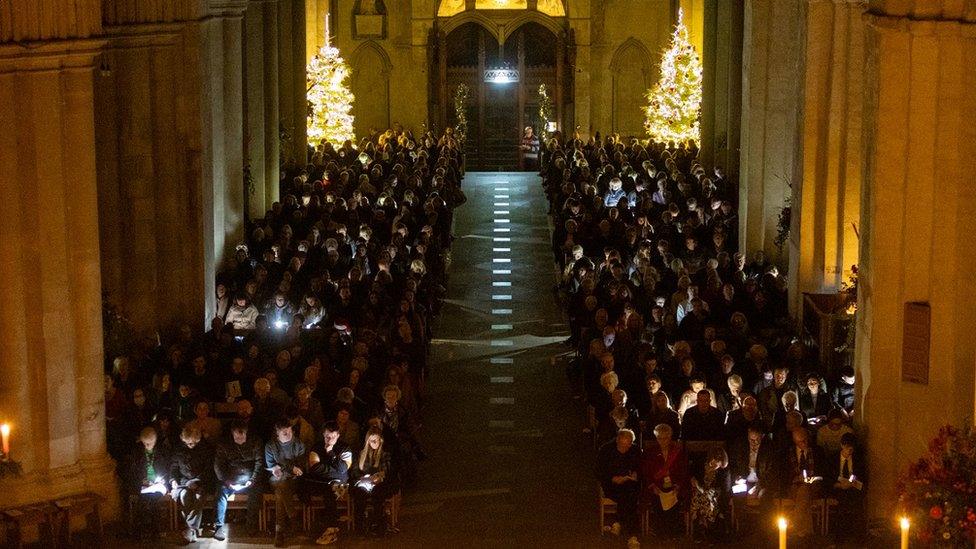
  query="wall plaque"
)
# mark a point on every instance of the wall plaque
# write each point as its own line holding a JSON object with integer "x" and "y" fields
{"x": 369, "y": 26}
{"x": 915, "y": 343}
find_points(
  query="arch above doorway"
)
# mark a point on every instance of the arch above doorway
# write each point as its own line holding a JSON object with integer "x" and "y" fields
{"x": 501, "y": 27}
{"x": 546, "y": 8}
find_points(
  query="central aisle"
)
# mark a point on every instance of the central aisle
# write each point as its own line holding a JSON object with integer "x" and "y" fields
{"x": 507, "y": 466}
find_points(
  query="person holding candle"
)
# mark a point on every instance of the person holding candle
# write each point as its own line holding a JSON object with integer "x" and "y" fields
{"x": 148, "y": 473}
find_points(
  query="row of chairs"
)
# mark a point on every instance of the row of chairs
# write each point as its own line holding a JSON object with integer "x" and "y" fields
{"x": 309, "y": 509}
{"x": 820, "y": 508}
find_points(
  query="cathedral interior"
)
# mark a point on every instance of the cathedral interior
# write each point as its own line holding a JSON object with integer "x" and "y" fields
{"x": 147, "y": 141}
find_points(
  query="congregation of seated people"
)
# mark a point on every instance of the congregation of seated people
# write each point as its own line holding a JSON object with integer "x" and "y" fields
{"x": 310, "y": 381}
{"x": 696, "y": 384}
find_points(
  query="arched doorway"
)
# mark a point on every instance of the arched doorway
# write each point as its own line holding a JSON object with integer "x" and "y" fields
{"x": 472, "y": 42}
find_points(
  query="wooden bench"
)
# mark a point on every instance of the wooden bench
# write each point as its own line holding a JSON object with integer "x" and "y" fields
{"x": 84, "y": 505}
{"x": 44, "y": 516}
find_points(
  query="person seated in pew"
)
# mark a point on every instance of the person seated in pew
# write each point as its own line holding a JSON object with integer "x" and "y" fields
{"x": 329, "y": 462}
{"x": 617, "y": 466}
{"x": 239, "y": 459}
{"x": 848, "y": 473}
{"x": 147, "y": 483}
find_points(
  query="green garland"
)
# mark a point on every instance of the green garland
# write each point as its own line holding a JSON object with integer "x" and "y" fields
{"x": 461, "y": 95}
{"x": 545, "y": 108}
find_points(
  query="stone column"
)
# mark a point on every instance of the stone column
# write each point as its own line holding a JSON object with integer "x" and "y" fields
{"x": 722, "y": 84}
{"x": 300, "y": 82}
{"x": 827, "y": 199}
{"x": 581, "y": 78}
{"x": 771, "y": 61}
{"x": 286, "y": 80}
{"x": 293, "y": 105}
{"x": 233, "y": 123}
{"x": 272, "y": 119}
{"x": 254, "y": 76}
{"x": 916, "y": 242}
{"x": 51, "y": 384}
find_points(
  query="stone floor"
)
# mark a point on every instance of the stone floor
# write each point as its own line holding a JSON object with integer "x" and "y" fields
{"x": 508, "y": 465}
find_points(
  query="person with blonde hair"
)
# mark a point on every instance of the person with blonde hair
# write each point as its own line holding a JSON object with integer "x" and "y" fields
{"x": 373, "y": 480}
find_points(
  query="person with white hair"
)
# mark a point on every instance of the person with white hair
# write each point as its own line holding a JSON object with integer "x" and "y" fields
{"x": 618, "y": 464}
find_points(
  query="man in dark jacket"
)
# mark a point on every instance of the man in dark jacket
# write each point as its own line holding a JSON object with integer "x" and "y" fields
{"x": 704, "y": 421}
{"x": 752, "y": 458}
{"x": 237, "y": 464}
{"x": 191, "y": 472}
{"x": 148, "y": 470}
{"x": 847, "y": 474}
{"x": 617, "y": 465}
{"x": 328, "y": 475}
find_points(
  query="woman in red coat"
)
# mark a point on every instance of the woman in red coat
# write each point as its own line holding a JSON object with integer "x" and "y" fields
{"x": 665, "y": 482}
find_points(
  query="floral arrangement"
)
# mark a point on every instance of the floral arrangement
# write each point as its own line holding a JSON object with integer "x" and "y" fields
{"x": 939, "y": 491}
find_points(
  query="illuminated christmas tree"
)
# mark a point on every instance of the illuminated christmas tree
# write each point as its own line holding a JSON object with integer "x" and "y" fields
{"x": 675, "y": 101}
{"x": 329, "y": 97}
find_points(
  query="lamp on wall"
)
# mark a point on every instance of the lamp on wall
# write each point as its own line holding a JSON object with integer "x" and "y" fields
{"x": 501, "y": 75}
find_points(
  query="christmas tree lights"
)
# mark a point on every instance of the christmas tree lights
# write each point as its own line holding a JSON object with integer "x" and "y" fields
{"x": 674, "y": 107}
{"x": 329, "y": 98}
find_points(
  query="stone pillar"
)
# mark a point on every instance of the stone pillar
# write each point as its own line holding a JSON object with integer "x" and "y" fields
{"x": 300, "y": 82}
{"x": 272, "y": 119}
{"x": 722, "y": 84}
{"x": 261, "y": 112}
{"x": 293, "y": 105}
{"x": 772, "y": 64}
{"x": 916, "y": 244}
{"x": 581, "y": 78}
{"x": 233, "y": 123}
{"x": 827, "y": 197}
{"x": 51, "y": 384}
{"x": 286, "y": 82}
{"x": 254, "y": 138}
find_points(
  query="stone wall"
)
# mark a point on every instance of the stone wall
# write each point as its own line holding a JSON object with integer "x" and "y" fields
{"x": 916, "y": 241}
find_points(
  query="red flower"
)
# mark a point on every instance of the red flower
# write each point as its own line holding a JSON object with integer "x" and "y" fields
{"x": 935, "y": 512}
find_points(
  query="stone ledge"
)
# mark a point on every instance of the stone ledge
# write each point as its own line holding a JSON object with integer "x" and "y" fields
{"x": 49, "y": 55}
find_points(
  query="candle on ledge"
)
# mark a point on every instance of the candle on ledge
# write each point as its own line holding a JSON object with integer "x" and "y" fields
{"x": 781, "y": 522}
{"x": 5, "y": 439}
{"x": 905, "y": 526}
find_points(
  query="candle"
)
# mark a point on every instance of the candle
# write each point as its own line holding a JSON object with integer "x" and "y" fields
{"x": 781, "y": 522}
{"x": 905, "y": 526}
{"x": 5, "y": 439}
{"x": 328, "y": 39}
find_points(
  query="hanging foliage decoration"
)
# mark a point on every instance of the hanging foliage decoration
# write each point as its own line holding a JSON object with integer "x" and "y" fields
{"x": 674, "y": 103}
{"x": 545, "y": 108}
{"x": 461, "y": 95}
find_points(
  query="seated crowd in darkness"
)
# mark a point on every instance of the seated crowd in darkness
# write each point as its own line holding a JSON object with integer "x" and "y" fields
{"x": 681, "y": 340}
{"x": 311, "y": 377}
